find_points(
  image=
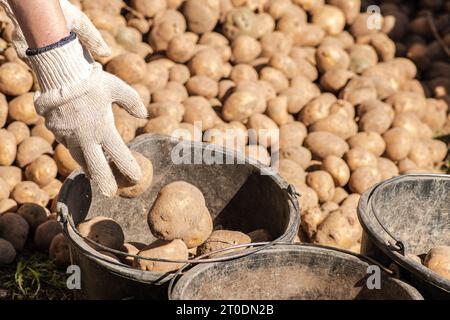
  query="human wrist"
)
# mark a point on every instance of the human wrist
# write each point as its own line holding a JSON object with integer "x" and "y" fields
{"x": 60, "y": 64}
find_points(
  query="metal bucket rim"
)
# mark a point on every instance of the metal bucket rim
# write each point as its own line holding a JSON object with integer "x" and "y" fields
{"x": 184, "y": 280}
{"x": 367, "y": 223}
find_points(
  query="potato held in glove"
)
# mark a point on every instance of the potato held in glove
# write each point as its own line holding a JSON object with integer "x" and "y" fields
{"x": 180, "y": 212}
{"x": 129, "y": 190}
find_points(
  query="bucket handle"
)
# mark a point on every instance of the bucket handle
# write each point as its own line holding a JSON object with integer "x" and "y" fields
{"x": 397, "y": 245}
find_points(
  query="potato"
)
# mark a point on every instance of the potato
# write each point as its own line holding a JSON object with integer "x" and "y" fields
{"x": 292, "y": 135}
{"x": 7, "y": 205}
{"x": 207, "y": 63}
{"x": 166, "y": 26}
{"x": 339, "y": 230}
{"x": 408, "y": 102}
{"x": 161, "y": 125}
{"x": 370, "y": 141}
{"x": 8, "y": 148}
{"x": 277, "y": 110}
{"x": 7, "y": 252}
{"x": 398, "y": 143}
{"x": 149, "y": 8}
{"x": 222, "y": 239}
{"x": 174, "y": 91}
{"x": 128, "y": 189}
{"x": 199, "y": 112}
{"x": 388, "y": 169}
{"x": 202, "y": 86}
{"x": 324, "y": 144}
{"x": 167, "y": 108}
{"x": 231, "y": 135}
{"x": 42, "y": 170}
{"x": 59, "y": 251}
{"x": 291, "y": 171}
{"x": 31, "y": 149}
{"x": 240, "y": 106}
{"x": 322, "y": 183}
{"x": 329, "y": 18}
{"x": 243, "y": 72}
{"x": 317, "y": 109}
{"x": 350, "y": 9}
{"x": 201, "y": 16}
{"x": 132, "y": 248}
{"x": 438, "y": 150}
{"x": 260, "y": 235}
{"x": 362, "y": 57}
{"x": 338, "y": 124}
{"x": 338, "y": 169}
{"x": 276, "y": 78}
{"x": 182, "y": 47}
{"x": 312, "y": 218}
{"x": 15, "y": 79}
{"x": 332, "y": 57}
{"x": 52, "y": 189}
{"x": 179, "y": 73}
{"x": 156, "y": 76}
{"x": 420, "y": 154}
{"x": 11, "y": 175}
{"x": 359, "y": 90}
{"x": 359, "y": 157}
{"x": 29, "y": 192}
{"x": 335, "y": 79}
{"x": 261, "y": 90}
{"x": 301, "y": 92}
{"x": 385, "y": 78}
{"x": 34, "y": 214}
{"x": 180, "y": 212}
{"x": 19, "y": 130}
{"x": 66, "y": 164}
{"x": 162, "y": 249}
{"x": 14, "y": 229}
{"x": 299, "y": 154}
{"x": 45, "y": 233}
{"x": 360, "y": 26}
{"x": 239, "y": 21}
{"x": 245, "y": 49}
{"x": 275, "y": 42}
{"x": 308, "y": 197}
{"x": 258, "y": 153}
{"x": 130, "y": 67}
{"x": 363, "y": 178}
{"x": 104, "y": 231}
{"x": 376, "y": 116}
{"x": 264, "y": 130}
{"x": 435, "y": 115}
{"x": 438, "y": 260}
{"x": 340, "y": 195}
{"x": 350, "y": 204}
{"x": 411, "y": 123}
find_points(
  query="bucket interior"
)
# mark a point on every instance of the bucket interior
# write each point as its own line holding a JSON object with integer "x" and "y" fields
{"x": 233, "y": 194}
{"x": 415, "y": 209}
{"x": 291, "y": 273}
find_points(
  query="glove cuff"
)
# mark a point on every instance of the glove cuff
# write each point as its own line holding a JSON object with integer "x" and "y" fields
{"x": 60, "y": 65}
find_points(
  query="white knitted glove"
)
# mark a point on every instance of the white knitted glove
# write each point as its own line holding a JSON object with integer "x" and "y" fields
{"x": 75, "y": 99}
{"x": 77, "y": 22}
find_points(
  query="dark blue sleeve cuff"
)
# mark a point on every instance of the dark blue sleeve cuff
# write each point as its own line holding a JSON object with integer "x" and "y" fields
{"x": 35, "y": 51}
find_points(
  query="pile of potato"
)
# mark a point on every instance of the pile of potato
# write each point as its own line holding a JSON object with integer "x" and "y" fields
{"x": 350, "y": 107}
{"x": 422, "y": 33}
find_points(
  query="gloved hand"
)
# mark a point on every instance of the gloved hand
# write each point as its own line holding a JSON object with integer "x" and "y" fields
{"x": 76, "y": 100}
{"x": 77, "y": 22}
